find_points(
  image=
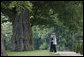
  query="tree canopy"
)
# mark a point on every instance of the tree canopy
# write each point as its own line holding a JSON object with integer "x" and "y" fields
{"x": 25, "y": 21}
{"x": 68, "y": 13}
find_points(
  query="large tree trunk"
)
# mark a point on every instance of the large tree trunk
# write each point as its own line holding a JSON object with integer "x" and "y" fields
{"x": 3, "y": 52}
{"x": 22, "y": 33}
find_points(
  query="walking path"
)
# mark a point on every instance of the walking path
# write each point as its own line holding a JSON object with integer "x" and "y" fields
{"x": 68, "y": 53}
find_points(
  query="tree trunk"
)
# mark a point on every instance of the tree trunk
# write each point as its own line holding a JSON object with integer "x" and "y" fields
{"x": 22, "y": 33}
{"x": 3, "y": 52}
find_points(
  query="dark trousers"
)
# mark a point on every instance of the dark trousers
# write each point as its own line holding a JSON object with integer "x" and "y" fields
{"x": 52, "y": 47}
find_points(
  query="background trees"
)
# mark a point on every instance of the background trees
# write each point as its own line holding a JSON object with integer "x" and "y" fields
{"x": 64, "y": 18}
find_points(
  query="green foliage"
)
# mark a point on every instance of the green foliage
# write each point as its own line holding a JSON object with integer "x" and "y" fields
{"x": 41, "y": 37}
{"x": 64, "y": 18}
{"x": 43, "y": 46}
{"x": 65, "y": 38}
{"x": 19, "y": 5}
{"x": 6, "y": 31}
{"x": 68, "y": 13}
{"x": 3, "y": 18}
{"x": 5, "y": 4}
{"x": 61, "y": 13}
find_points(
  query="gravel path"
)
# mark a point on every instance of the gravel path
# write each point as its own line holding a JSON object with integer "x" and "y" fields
{"x": 66, "y": 53}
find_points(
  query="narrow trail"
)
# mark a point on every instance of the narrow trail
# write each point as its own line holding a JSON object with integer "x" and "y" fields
{"x": 68, "y": 53}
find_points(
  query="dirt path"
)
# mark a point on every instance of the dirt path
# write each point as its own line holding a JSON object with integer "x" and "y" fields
{"x": 66, "y": 53}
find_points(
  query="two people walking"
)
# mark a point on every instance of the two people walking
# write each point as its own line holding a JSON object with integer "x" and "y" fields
{"x": 53, "y": 43}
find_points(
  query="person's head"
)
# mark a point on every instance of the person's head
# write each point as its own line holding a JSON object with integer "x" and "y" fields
{"x": 54, "y": 36}
{"x": 51, "y": 36}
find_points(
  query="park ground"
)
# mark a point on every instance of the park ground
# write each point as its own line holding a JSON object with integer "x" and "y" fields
{"x": 42, "y": 53}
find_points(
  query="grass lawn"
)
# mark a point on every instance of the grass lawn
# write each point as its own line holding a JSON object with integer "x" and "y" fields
{"x": 31, "y": 53}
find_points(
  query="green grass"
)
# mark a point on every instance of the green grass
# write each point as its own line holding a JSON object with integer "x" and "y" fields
{"x": 32, "y": 53}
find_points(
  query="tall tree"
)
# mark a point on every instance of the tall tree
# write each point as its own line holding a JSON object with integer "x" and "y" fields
{"x": 22, "y": 35}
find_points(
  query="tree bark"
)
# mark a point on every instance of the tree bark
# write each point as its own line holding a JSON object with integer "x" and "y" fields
{"x": 3, "y": 51}
{"x": 22, "y": 33}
